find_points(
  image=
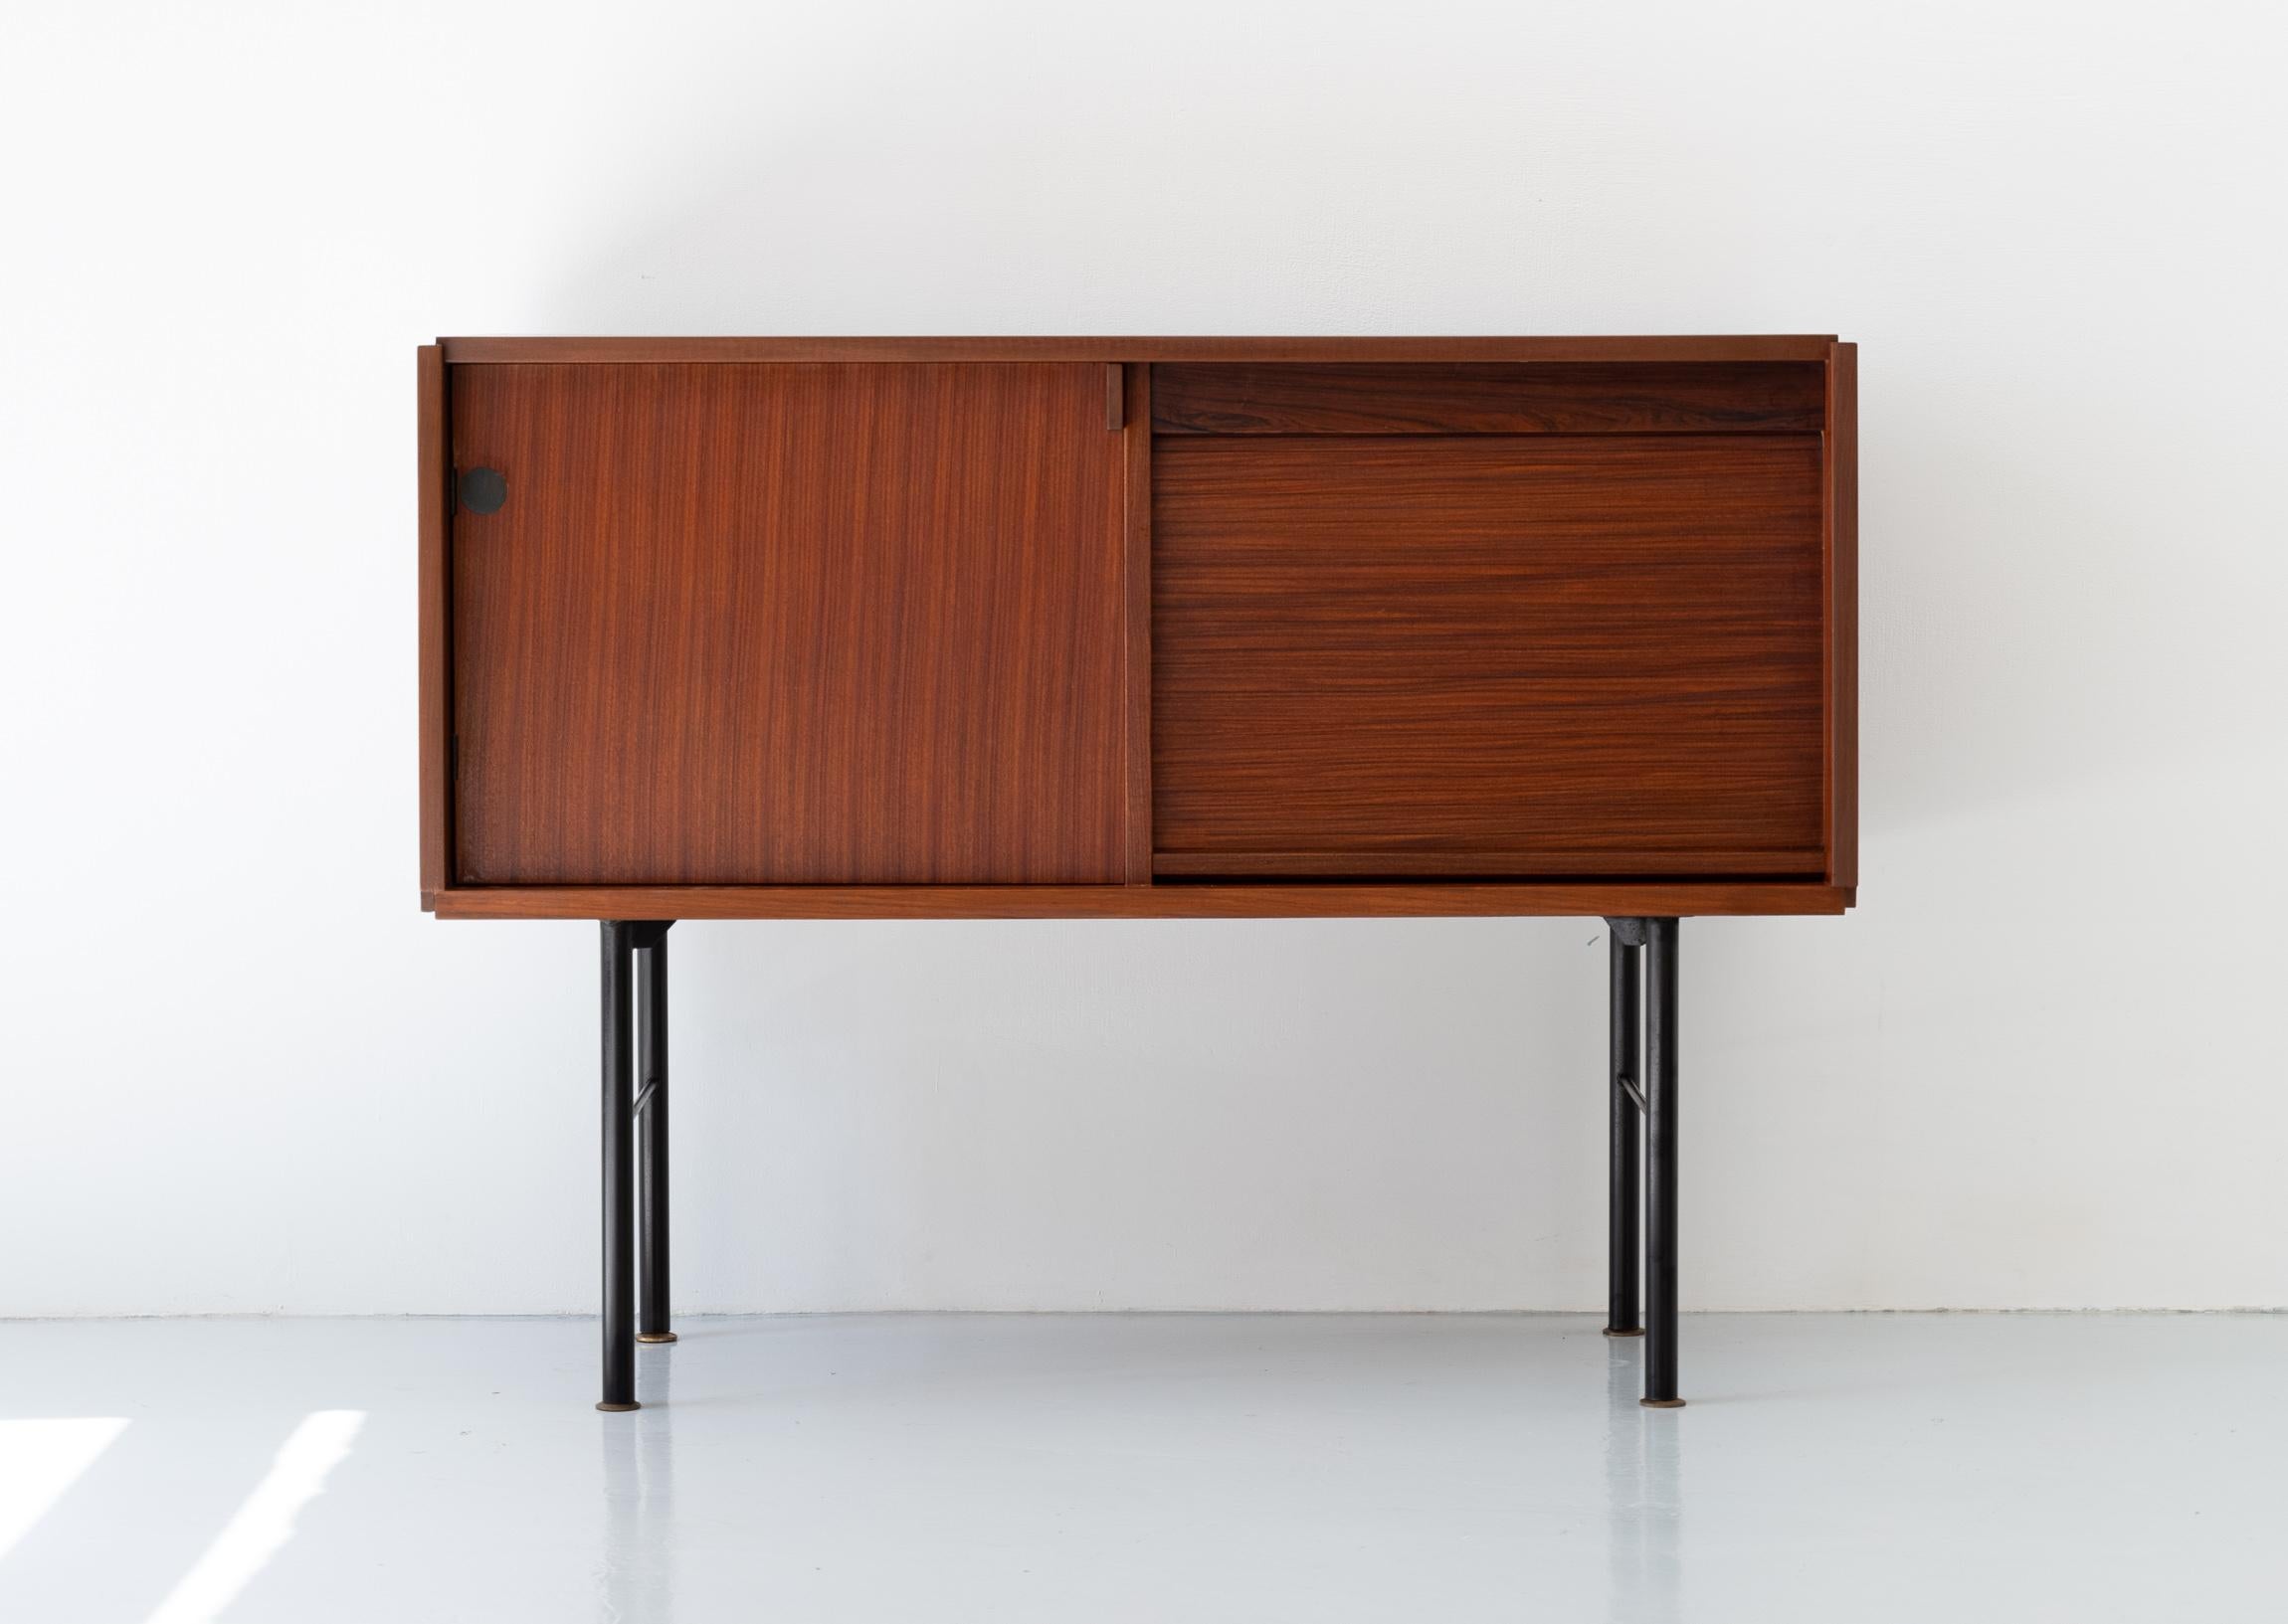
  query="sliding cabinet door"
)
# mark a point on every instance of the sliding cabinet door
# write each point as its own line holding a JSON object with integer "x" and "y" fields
{"x": 838, "y": 624}
{"x": 1488, "y": 622}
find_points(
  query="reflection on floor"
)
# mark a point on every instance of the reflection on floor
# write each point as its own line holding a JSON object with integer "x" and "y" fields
{"x": 1087, "y": 1468}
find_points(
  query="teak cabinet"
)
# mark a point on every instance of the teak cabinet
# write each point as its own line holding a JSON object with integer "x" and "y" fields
{"x": 1097, "y": 628}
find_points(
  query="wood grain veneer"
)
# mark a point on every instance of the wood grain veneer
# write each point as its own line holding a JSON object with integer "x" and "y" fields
{"x": 1136, "y": 617}
{"x": 1488, "y": 656}
{"x": 1489, "y": 398}
{"x": 1842, "y": 543}
{"x": 433, "y": 460}
{"x": 1139, "y": 628}
{"x": 1686, "y": 347}
{"x": 816, "y": 623}
{"x": 1581, "y": 899}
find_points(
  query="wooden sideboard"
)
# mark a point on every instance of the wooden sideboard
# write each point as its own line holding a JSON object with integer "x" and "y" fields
{"x": 1095, "y": 628}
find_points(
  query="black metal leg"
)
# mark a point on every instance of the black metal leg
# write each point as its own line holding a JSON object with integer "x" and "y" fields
{"x": 618, "y": 1172}
{"x": 1660, "y": 1046}
{"x": 651, "y": 1136}
{"x": 1624, "y": 1181}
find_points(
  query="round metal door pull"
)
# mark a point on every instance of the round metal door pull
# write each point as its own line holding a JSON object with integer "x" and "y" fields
{"x": 483, "y": 490}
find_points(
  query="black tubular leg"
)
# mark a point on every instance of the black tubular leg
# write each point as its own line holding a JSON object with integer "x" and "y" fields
{"x": 1660, "y": 1046}
{"x": 1624, "y": 1181}
{"x": 619, "y": 1171}
{"x": 652, "y": 1135}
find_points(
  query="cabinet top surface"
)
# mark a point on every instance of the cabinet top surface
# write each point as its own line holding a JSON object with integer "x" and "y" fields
{"x": 1679, "y": 347}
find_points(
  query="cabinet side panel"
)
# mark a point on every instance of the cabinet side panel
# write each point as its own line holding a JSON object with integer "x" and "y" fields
{"x": 436, "y": 678}
{"x": 1136, "y": 489}
{"x": 1844, "y": 614}
{"x": 794, "y": 623}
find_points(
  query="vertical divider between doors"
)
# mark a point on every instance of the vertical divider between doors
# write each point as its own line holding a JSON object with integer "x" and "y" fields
{"x": 1136, "y": 545}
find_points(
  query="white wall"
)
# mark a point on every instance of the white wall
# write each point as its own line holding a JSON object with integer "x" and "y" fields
{"x": 2039, "y": 1066}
